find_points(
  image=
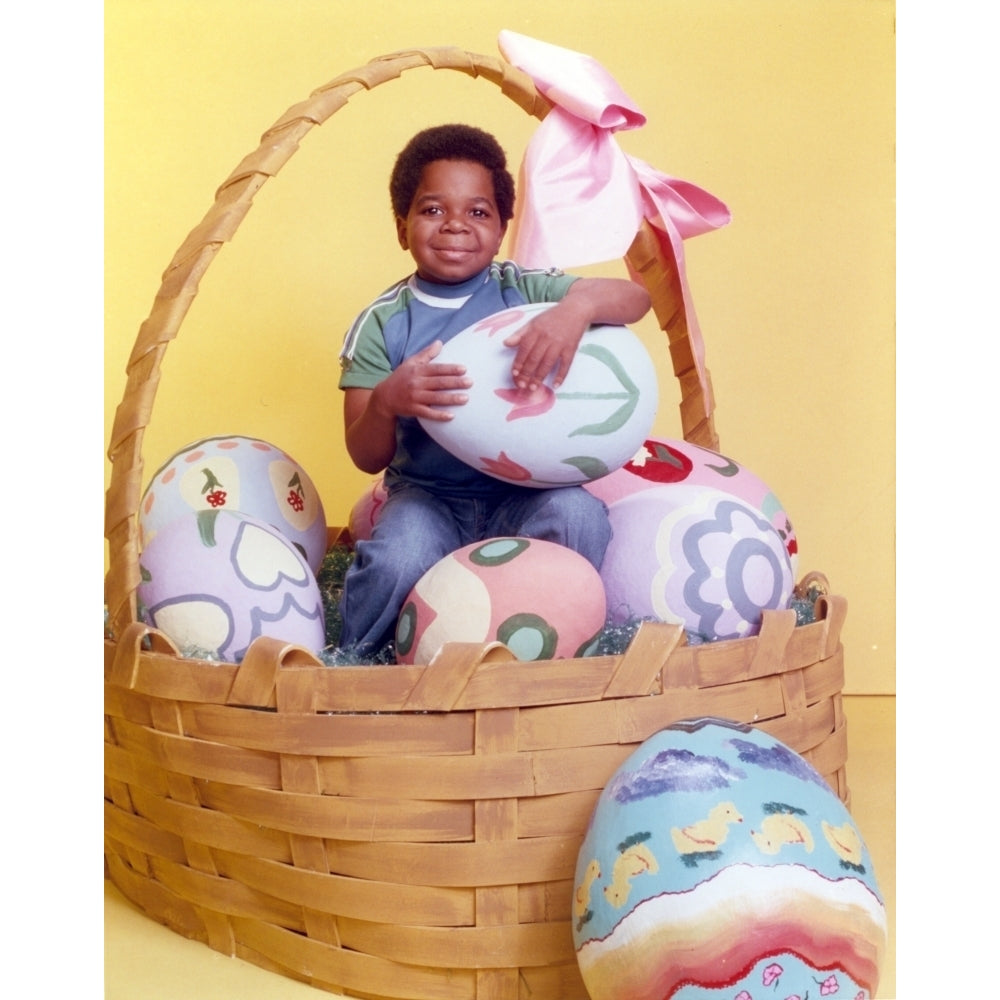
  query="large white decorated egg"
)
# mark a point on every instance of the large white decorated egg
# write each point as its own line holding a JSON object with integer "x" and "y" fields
{"x": 238, "y": 473}
{"x": 664, "y": 461}
{"x": 542, "y": 600}
{"x": 592, "y": 424}
{"x": 697, "y": 557}
{"x": 215, "y": 580}
{"x": 719, "y": 864}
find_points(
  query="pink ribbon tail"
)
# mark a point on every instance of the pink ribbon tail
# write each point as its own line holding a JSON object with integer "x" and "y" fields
{"x": 677, "y": 210}
{"x": 582, "y": 199}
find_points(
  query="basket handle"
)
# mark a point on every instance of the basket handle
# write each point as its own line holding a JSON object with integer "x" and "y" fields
{"x": 646, "y": 257}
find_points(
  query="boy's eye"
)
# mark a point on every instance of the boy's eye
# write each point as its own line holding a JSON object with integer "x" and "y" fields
{"x": 434, "y": 210}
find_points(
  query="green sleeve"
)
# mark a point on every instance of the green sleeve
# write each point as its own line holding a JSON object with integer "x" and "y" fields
{"x": 370, "y": 361}
{"x": 545, "y": 286}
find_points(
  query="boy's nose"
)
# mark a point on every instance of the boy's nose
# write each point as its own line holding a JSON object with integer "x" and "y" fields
{"x": 453, "y": 222}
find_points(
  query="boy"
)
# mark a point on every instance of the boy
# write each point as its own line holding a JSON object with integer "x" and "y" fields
{"x": 453, "y": 197}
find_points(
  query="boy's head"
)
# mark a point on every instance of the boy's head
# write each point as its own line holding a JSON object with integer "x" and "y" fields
{"x": 450, "y": 142}
{"x": 452, "y": 197}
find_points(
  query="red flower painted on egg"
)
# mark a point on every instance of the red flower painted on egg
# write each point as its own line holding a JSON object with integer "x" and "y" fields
{"x": 659, "y": 463}
{"x": 295, "y": 498}
{"x": 528, "y": 402}
{"x": 503, "y": 467}
{"x": 213, "y": 490}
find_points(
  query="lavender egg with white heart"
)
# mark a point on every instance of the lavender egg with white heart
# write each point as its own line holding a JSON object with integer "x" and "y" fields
{"x": 589, "y": 426}
{"x": 215, "y": 580}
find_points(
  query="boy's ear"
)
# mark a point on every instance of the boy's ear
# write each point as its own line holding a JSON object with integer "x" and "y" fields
{"x": 503, "y": 233}
{"x": 401, "y": 232}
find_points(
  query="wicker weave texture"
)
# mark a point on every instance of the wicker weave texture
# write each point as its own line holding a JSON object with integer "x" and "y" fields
{"x": 412, "y": 832}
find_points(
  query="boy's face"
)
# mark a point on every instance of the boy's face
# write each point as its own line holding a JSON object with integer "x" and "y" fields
{"x": 453, "y": 229}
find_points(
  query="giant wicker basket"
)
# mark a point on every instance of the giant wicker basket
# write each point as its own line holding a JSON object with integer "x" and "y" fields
{"x": 401, "y": 831}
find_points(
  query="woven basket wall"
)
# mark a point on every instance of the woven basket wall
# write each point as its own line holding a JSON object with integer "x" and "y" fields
{"x": 404, "y": 832}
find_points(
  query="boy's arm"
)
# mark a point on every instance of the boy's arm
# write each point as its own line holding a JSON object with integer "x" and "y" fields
{"x": 415, "y": 389}
{"x": 549, "y": 342}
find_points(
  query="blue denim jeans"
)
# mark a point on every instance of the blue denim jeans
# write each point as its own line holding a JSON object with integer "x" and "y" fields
{"x": 416, "y": 529}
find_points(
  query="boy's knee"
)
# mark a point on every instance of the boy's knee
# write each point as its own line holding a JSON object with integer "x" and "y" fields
{"x": 573, "y": 503}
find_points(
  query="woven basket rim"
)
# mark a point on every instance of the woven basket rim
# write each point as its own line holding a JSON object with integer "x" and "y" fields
{"x": 647, "y": 259}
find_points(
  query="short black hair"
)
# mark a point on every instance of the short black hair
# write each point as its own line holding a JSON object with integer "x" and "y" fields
{"x": 450, "y": 142}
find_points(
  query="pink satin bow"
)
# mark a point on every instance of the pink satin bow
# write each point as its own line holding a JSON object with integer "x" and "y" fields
{"x": 582, "y": 198}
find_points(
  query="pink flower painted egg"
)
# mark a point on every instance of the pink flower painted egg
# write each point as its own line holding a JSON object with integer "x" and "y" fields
{"x": 238, "y": 473}
{"x": 215, "y": 580}
{"x": 696, "y": 557}
{"x": 541, "y": 600}
{"x": 365, "y": 511}
{"x": 719, "y": 865}
{"x": 662, "y": 461}
{"x": 593, "y": 423}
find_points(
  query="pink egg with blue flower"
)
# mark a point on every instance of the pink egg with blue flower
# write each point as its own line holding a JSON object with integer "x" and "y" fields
{"x": 591, "y": 424}
{"x": 215, "y": 580}
{"x": 697, "y": 557}
{"x": 239, "y": 473}
{"x": 542, "y": 600}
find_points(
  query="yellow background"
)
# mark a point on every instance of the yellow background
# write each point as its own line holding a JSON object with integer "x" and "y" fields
{"x": 784, "y": 109}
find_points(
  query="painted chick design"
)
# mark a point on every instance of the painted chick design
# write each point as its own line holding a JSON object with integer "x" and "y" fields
{"x": 780, "y": 829}
{"x": 635, "y": 859}
{"x": 702, "y": 840}
{"x": 581, "y": 898}
{"x": 846, "y": 843}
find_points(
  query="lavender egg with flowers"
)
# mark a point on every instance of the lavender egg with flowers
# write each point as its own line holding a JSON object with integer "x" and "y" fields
{"x": 664, "y": 461}
{"x": 697, "y": 557}
{"x": 234, "y": 472}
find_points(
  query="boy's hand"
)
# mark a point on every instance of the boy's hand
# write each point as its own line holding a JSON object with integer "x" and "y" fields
{"x": 418, "y": 386}
{"x": 547, "y": 344}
